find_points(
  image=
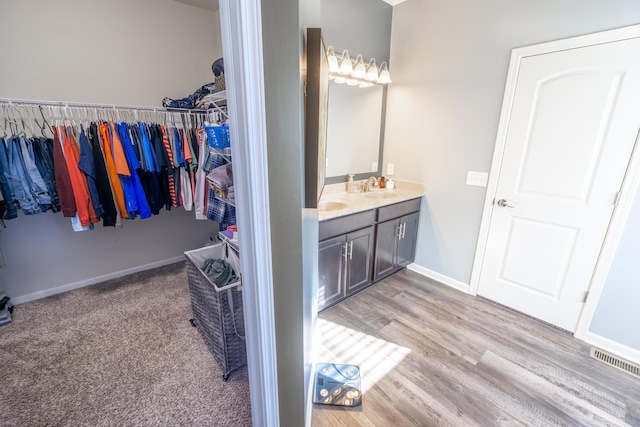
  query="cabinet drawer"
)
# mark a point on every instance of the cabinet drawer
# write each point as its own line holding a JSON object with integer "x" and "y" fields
{"x": 346, "y": 224}
{"x": 399, "y": 209}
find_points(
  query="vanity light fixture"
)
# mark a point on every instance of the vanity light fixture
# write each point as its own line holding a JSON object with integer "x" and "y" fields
{"x": 342, "y": 69}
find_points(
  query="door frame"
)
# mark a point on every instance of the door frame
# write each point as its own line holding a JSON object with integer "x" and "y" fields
{"x": 241, "y": 24}
{"x": 630, "y": 185}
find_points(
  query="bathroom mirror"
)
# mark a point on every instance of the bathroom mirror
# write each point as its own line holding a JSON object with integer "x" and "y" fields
{"x": 355, "y": 131}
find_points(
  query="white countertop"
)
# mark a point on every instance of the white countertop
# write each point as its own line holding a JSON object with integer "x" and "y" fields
{"x": 358, "y": 202}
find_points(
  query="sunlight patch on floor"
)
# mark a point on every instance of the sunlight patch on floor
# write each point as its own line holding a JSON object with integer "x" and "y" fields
{"x": 376, "y": 357}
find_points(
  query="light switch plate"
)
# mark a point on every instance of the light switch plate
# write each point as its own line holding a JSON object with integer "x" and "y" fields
{"x": 479, "y": 179}
{"x": 389, "y": 168}
{"x": 374, "y": 166}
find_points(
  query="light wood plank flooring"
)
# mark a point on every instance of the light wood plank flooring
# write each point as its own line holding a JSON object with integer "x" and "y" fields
{"x": 432, "y": 355}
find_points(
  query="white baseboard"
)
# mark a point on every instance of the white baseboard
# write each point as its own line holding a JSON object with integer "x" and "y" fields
{"x": 438, "y": 277}
{"x": 620, "y": 350}
{"x": 93, "y": 280}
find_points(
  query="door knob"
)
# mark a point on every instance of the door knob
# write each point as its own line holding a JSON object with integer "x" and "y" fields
{"x": 504, "y": 204}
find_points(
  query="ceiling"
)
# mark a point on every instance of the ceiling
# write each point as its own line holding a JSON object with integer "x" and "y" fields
{"x": 213, "y": 4}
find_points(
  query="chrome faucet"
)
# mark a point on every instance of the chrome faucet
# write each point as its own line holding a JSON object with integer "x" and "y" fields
{"x": 371, "y": 182}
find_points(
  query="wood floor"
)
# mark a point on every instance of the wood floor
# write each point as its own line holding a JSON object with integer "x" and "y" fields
{"x": 432, "y": 355}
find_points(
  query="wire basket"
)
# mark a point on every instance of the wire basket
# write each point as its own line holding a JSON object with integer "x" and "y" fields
{"x": 218, "y": 311}
{"x": 220, "y": 85}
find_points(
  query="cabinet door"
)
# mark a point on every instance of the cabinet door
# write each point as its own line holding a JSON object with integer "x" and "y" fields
{"x": 407, "y": 243}
{"x": 359, "y": 259}
{"x": 331, "y": 271}
{"x": 386, "y": 237}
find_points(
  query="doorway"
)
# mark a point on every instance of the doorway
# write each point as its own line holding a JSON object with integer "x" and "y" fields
{"x": 567, "y": 131}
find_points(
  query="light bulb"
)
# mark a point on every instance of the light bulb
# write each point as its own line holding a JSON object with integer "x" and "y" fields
{"x": 346, "y": 67}
{"x": 372, "y": 71}
{"x": 352, "y": 82}
{"x": 359, "y": 71}
{"x": 385, "y": 77}
{"x": 363, "y": 84}
{"x": 332, "y": 60}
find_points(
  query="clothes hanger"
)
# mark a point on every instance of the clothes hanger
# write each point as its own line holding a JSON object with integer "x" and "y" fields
{"x": 31, "y": 119}
{"x": 45, "y": 122}
{"x": 4, "y": 129}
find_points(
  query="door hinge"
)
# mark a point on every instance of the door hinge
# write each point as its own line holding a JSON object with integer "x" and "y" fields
{"x": 586, "y": 295}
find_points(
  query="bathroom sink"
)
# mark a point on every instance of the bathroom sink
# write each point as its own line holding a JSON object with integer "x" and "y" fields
{"x": 379, "y": 195}
{"x": 331, "y": 206}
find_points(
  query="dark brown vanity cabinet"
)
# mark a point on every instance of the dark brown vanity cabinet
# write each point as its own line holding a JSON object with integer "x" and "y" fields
{"x": 396, "y": 234}
{"x": 345, "y": 257}
{"x": 360, "y": 249}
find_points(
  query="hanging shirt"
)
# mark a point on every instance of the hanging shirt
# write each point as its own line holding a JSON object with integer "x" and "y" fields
{"x": 75, "y": 147}
{"x": 162, "y": 178}
{"x": 36, "y": 184}
{"x": 171, "y": 180}
{"x": 80, "y": 193}
{"x": 114, "y": 178}
{"x": 19, "y": 179}
{"x": 41, "y": 149}
{"x": 148, "y": 151}
{"x": 130, "y": 199}
{"x": 87, "y": 166}
{"x": 200, "y": 191}
{"x": 63, "y": 178}
{"x": 134, "y": 166}
{"x": 105, "y": 193}
{"x": 6, "y": 183}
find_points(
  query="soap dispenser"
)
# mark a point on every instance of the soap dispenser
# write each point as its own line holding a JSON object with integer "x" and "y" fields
{"x": 350, "y": 184}
{"x": 390, "y": 184}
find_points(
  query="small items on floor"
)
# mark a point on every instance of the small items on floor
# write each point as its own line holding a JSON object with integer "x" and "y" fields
{"x": 337, "y": 384}
{"x": 6, "y": 308}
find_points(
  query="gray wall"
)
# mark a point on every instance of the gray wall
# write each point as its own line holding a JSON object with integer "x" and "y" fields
{"x": 294, "y": 253}
{"x": 121, "y": 52}
{"x": 617, "y": 316}
{"x": 450, "y": 62}
{"x": 360, "y": 26}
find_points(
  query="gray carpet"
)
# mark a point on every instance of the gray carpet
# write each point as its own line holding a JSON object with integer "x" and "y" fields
{"x": 120, "y": 353}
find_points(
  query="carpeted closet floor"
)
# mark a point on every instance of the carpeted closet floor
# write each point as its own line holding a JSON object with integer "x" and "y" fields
{"x": 118, "y": 353}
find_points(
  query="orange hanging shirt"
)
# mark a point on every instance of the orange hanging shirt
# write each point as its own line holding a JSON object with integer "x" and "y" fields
{"x": 112, "y": 171}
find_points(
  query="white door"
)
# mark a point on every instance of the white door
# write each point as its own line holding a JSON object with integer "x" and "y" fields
{"x": 568, "y": 136}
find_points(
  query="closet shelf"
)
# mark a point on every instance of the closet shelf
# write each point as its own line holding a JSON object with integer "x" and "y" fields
{"x": 224, "y": 152}
{"x": 227, "y": 201}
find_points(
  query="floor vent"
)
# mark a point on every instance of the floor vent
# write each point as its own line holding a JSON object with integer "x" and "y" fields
{"x": 615, "y": 361}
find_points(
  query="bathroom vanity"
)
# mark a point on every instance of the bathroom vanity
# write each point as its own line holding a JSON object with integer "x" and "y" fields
{"x": 365, "y": 237}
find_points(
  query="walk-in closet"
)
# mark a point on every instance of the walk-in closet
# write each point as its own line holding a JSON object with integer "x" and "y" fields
{"x": 100, "y": 331}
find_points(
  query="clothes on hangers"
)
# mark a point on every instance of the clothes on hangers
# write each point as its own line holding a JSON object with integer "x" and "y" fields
{"x": 107, "y": 170}
{"x": 22, "y": 183}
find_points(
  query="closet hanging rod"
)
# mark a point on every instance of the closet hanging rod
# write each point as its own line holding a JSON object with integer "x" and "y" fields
{"x": 20, "y": 102}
